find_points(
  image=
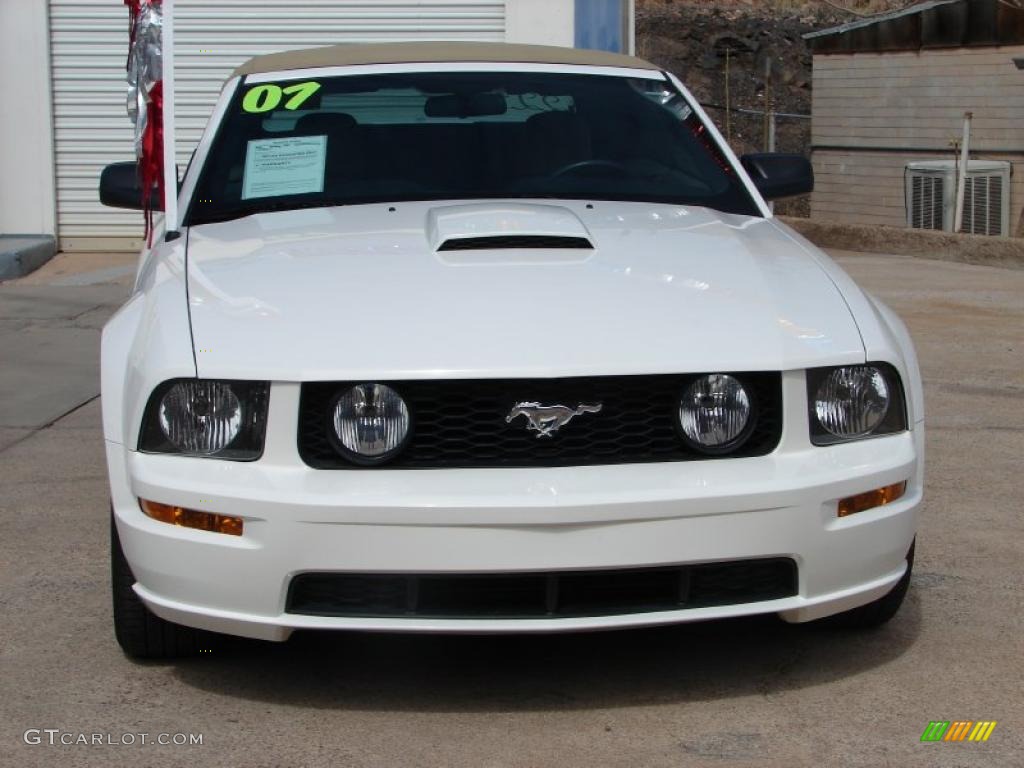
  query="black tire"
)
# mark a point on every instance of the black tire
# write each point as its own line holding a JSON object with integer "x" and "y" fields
{"x": 877, "y": 613}
{"x": 140, "y": 633}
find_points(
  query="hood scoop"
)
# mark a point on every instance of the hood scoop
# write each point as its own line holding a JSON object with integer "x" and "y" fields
{"x": 509, "y": 226}
{"x": 497, "y": 242}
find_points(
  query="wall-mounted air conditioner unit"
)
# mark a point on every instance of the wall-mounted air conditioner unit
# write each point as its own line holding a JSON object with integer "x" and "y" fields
{"x": 931, "y": 196}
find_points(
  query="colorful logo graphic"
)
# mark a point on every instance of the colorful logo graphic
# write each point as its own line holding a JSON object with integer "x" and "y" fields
{"x": 958, "y": 730}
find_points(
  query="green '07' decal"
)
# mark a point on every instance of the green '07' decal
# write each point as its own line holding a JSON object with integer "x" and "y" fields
{"x": 263, "y": 98}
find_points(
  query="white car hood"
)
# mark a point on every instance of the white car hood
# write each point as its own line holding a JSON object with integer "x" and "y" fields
{"x": 362, "y": 292}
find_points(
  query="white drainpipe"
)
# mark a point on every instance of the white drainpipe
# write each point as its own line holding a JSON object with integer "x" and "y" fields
{"x": 961, "y": 182}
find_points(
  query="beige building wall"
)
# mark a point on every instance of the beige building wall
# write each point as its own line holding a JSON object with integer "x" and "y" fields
{"x": 876, "y": 112}
{"x": 27, "y": 196}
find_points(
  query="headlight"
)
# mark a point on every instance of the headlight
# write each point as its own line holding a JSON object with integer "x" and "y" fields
{"x": 854, "y": 401}
{"x": 370, "y": 423}
{"x": 203, "y": 417}
{"x": 200, "y": 416}
{"x": 714, "y": 413}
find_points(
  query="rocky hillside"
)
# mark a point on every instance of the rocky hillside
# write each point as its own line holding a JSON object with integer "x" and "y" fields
{"x": 694, "y": 39}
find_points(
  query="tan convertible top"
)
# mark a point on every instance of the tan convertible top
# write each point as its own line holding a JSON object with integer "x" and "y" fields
{"x": 347, "y": 55}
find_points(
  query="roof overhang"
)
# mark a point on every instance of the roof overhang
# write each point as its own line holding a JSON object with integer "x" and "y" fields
{"x": 842, "y": 29}
{"x": 939, "y": 24}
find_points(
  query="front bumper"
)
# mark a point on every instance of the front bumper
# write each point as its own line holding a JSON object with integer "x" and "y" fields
{"x": 512, "y": 520}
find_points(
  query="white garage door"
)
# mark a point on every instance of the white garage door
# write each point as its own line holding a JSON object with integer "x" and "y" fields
{"x": 89, "y": 41}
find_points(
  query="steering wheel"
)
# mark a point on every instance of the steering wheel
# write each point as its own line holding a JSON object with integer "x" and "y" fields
{"x": 595, "y": 163}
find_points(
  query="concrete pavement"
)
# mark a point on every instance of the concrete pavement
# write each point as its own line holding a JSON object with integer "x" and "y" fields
{"x": 49, "y": 336}
{"x": 737, "y": 693}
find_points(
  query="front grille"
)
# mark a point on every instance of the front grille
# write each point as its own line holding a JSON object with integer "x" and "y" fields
{"x": 542, "y": 595}
{"x": 461, "y": 423}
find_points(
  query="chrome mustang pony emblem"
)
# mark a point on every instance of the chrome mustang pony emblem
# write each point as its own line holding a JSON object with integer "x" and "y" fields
{"x": 545, "y": 420}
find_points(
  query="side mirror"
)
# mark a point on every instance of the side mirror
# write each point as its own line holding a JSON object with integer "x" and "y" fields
{"x": 778, "y": 175}
{"x": 119, "y": 188}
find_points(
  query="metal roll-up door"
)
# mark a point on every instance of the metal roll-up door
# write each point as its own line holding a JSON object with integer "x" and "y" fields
{"x": 88, "y": 47}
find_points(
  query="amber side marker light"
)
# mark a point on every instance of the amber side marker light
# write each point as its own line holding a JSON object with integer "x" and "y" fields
{"x": 192, "y": 518}
{"x": 876, "y": 498}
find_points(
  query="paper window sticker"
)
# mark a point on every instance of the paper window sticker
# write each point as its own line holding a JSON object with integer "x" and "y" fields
{"x": 288, "y": 166}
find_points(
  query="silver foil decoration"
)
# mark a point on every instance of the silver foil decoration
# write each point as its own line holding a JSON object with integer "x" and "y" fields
{"x": 145, "y": 64}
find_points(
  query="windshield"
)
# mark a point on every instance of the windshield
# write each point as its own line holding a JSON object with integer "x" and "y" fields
{"x": 444, "y": 136}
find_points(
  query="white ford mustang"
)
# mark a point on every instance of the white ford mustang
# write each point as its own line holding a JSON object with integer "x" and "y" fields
{"x": 485, "y": 338}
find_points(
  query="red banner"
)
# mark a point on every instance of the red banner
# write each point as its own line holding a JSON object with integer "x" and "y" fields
{"x": 145, "y": 100}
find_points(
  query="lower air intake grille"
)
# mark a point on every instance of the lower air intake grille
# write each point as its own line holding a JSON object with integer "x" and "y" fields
{"x": 542, "y": 595}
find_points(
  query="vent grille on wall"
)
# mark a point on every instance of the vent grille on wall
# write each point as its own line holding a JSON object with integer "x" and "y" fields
{"x": 931, "y": 196}
{"x": 983, "y": 205}
{"x": 926, "y": 206}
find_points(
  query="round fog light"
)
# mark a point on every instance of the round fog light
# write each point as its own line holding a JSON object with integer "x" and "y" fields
{"x": 714, "y": 413}
{"x": 371, "y": 423}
